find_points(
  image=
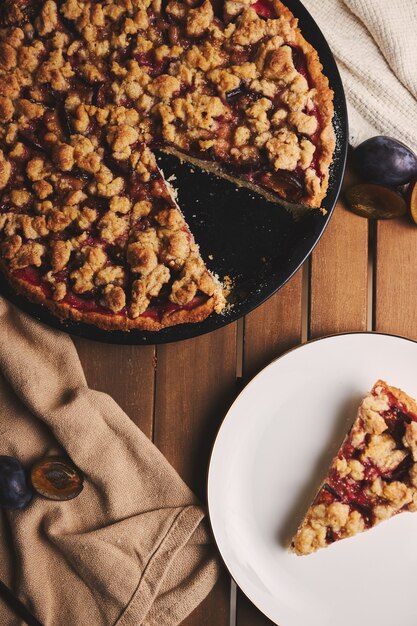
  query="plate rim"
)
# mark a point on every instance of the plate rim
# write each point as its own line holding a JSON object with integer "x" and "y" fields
{"x": 223, "y": 421}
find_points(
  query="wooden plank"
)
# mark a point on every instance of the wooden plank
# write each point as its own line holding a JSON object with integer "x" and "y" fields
{"x": 195, "y": 385}
{"x": 273, "y": 328}
{"x": 396, "y": 278}
{"x": 214, "y": 610}
{"x": 339, "y": 276}
{"x": 126, "y": 373}
{"x": 248, "y": 615}
{"x": 270, "y": 330}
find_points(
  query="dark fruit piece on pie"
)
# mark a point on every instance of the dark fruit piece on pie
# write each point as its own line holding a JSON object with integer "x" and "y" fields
{"x": 56, "y": 479}
{"x": 386, "y": 161}
{"x": 375, "y": 201}
{"x": 15, "y": 491}
{"x": 88, "y": 225}
{"x": 373, "y": 476}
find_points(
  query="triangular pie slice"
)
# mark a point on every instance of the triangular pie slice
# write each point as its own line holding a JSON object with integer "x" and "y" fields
{"x": 373, "y": 476}
{"x": 169, "y": 281}
{"x": 88, "y": 226}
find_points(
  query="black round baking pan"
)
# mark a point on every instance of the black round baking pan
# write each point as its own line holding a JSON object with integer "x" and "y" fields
{"x": 256, "y": 243}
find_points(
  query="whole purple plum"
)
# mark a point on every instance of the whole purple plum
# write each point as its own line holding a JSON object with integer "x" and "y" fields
{"x": 385, "y": 161}
{"x": 15, "y": 492}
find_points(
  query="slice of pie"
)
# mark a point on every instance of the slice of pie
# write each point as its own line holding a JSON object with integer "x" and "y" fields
{"x": 88, "y": 226}
{"x": 373, "y": 476}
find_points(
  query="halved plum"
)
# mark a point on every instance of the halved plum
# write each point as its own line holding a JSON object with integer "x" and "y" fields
{"x": 375, "y": 201}
{"x": 55, "y": 478}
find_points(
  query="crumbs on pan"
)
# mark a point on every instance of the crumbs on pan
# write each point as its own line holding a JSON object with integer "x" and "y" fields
{"x": 172, "y": 190}
{"x": 228, "y": 284}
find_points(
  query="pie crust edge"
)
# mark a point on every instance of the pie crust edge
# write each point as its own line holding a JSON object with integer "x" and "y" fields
{"x": 109, "y": 321}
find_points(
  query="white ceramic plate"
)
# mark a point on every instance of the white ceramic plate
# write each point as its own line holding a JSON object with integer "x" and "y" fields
{"x": 272, "y": 452}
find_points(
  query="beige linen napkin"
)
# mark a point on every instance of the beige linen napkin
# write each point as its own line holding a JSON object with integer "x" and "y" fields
{"x": 375, "y": 45}
{"x": 133, "y": 547}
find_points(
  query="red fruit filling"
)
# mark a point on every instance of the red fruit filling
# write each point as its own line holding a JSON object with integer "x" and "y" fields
{"x": 90, "y": 304}
{"x": 264, "y": 8}
{"x": 355, "y": 493}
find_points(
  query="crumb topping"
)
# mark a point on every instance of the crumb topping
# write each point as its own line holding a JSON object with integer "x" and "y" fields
{"x": 88, "y": 88}
{"x": 373, "y": 477}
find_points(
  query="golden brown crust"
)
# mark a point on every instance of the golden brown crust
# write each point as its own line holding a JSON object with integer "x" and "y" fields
{"x": 401, "y": 396}
{"x": 297, "y": 210}
{"x": 324, "y": 101}
{"x": 109, "y": 321}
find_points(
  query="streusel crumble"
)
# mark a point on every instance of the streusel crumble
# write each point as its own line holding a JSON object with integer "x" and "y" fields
{"x": 373, "y": 476}
{"x": 88, "y": 225}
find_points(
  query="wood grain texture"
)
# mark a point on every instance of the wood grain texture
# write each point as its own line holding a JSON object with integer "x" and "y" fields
{"x": 339, "y": 276}
{"x": 273, "y": 328}
{"x": 395, "y": 300}
{"x": 248, "y": 615}
{"x": 195, "y": 384}
{"x": 215, "y": 609}
{"x": 124, "y": 372}
{"x": 270, "y": 330}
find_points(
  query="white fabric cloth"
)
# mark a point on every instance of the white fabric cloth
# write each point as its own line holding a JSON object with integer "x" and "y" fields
{"x": 375, "y": 45}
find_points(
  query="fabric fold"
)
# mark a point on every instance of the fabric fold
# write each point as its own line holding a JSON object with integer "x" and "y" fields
{"x": 374, "y": 45}
{"x": 134, "y": 547}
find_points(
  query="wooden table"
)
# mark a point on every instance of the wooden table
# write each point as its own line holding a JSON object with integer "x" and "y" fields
{"x": 361, "y": 276}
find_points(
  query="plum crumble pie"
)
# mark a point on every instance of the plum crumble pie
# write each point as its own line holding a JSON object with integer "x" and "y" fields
{"x": 88, "y": 226}
{"x": 373, "y": 476}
